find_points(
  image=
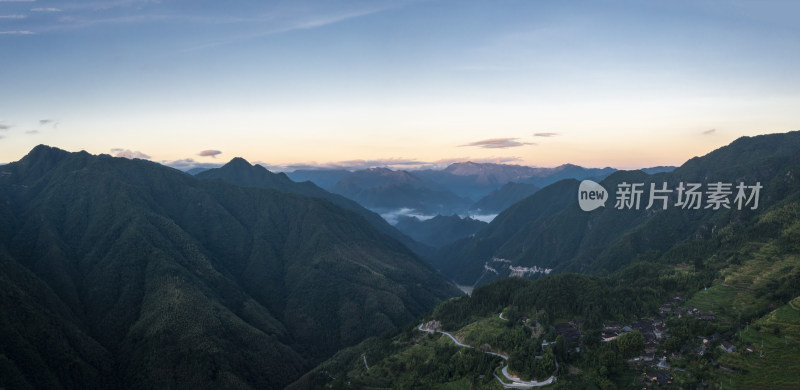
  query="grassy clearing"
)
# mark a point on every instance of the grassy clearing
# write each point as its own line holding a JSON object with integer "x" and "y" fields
{"x": 483, "y": 331}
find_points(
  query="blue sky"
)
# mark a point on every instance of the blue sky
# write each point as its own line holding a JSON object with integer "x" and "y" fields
{"x": 359, "y": 83}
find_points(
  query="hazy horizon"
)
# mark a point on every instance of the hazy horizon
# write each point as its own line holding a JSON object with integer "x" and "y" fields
{"x": 350, "y": 165}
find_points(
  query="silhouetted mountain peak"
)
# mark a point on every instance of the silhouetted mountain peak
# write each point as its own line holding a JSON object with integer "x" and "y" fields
{"x": 242, "y": 165}
{"x": 38, "y": 162}
{"x": 237, "y": 166}
{"x": 44, "y": 153}
{"x": 238, "y": 162}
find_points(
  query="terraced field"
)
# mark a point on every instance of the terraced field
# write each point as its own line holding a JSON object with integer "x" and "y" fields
{"x": 779, "y": 367}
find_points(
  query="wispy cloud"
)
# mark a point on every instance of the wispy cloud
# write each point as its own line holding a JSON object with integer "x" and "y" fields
{"x": 294, "y": 24}
{"x": 235, "y": 24}
{"x": 545, "y": 134}
{"x": 182, "y": 163}
{"x": 709, "y": 131}
{"x": 50, "y": 122}
{"x": 17, "y": 1}
{"x": 17, "y": 32}
{"x": 13, "y": 16}
{"x": 4, "y": 127}
{"x": 498, "y": 143}
{"x": 209, "y": 153}
{"x": 127, "y": 153}
{"x": 32, "y": 132}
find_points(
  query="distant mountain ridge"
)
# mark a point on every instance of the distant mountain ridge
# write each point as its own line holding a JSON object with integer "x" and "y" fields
{"x": 195, "y": 171}
{"x": 477, "y": 180}
{"x": 546, "y": 176}
{"x": 325, "y": 178}
{"x": 382, "y": 189}
{"x": 452, "y": 190}
{"x": 489, "y": 173}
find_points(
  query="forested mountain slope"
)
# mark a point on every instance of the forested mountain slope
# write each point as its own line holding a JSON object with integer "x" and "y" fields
{"x": 124, "y": 273}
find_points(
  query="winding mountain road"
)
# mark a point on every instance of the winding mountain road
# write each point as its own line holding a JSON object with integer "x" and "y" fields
{"x": 516, "y": 383}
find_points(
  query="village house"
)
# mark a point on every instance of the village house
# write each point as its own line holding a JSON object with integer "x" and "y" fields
{"x": 608, "y": 336}
{"x": 662, "y": 378}
{"x": 570, "y": 333}
{"x": 727, "y": 346}
{"x": 660, "y": 331}
{"x": 708, "y": 316}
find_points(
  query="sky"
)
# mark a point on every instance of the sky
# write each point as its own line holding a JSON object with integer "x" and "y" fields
{"x": 405, "y": 84}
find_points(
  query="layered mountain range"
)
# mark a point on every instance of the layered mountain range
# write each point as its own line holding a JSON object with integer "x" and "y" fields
{"x": 118, "y": 273}
{"x": 461, "y": 188}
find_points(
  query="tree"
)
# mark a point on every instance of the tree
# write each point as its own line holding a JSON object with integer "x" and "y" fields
{"x": 672, "y": 344}
{"x": 631, "y": 344}
{"x": 561, "y": 348}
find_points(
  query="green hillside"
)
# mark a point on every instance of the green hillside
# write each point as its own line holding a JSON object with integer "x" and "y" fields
{"x": 719, "y": 288}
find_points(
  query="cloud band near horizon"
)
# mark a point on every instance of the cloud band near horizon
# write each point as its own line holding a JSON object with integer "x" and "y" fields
{"x": 498, "y": 143}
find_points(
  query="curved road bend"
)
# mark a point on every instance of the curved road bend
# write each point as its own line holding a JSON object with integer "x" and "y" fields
{"x": 516, "y": 382}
